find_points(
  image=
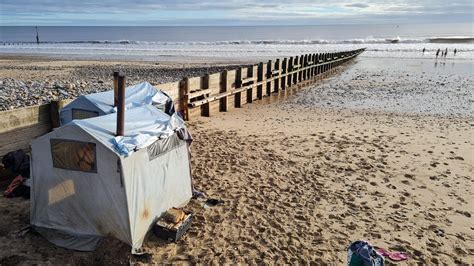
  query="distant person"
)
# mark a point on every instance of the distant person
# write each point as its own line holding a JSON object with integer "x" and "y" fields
{"x": 437, "y": 53}
{"x": 455, "y": 51}
{"x": 424, "y": 49}
{"x": 442, "y": 53}
{"x": 446, "y": 52}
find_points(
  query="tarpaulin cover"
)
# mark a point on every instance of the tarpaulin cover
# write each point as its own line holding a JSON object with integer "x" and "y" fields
{"x": 123, "y": 195}
{"x": 98, "y": 104}
{"x": 143, "y": 126}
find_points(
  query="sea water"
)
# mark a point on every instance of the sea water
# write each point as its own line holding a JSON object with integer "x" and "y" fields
{"x": 238, "y": 42}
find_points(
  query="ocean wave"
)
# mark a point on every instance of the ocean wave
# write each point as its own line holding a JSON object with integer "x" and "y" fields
{"x": 459, "y": 39}
{"x": 456, "y": 39}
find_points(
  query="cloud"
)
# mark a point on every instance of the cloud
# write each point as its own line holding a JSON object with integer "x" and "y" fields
{"x": 358, "y": 5}
{"x": 191, "y": 12}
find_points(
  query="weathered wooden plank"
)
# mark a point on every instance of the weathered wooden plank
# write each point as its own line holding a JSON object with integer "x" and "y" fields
{"x": 196, "y": 94}
{"x": 194, "y": 112}
{"x": 276, "y": 81}
{"x": 215, "y": 87}
{"x": 195, "y": 84}
{"x": 284, "y": 68}
{"x": 20, "y": 138}
{"x": 223, "y": 87}
{"x": 296, "y": 76}
{"x": 231, "y": 78}
{"x": 249, "y": 92}
{"x": 255, "y": 77}
{"x": 260, "y": 79}
{"x": 268, "y": 74}
{"x": 289, "y": 77}
{"x": 23, "y": 117}
{"x": 205, "y": 108}
{"x": 172, "y": 89}
{"x": 249, "y": 79}
{"x": 238, "y": 83}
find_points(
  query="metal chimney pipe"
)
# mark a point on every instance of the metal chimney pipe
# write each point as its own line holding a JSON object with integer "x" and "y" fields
{"x": 121, "y": 105}
{"x": 116, "y": 74}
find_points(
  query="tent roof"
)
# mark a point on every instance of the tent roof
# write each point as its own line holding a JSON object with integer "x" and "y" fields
{"x": 143, "y": 126}
{"x": 136, "y": 95}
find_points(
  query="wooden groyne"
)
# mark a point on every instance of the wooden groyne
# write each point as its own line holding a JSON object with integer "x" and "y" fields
{"x": 193, "y": 97}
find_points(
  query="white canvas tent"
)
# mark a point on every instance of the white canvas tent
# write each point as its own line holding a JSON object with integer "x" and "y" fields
{"x": 87, "y": 183}
{"x": 102, "y": 103}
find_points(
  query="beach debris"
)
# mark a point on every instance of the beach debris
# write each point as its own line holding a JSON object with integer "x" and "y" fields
{"x": 173, "y": 224}
{"x": 18, "y": 163}
{"x": 198, "y": 194}
{"x": 439, "y": 232}
{"x": 174, "y": 215}
{"x": 362, "y": 253}
{"x": 393, "y": 256}
{"x": 17, "y": 188}
{"x": 212, "y": 202}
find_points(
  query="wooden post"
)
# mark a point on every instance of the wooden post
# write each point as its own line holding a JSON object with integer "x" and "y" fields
{"x": 308, "y": 59}
{"x": 307, "y": 65}
{"x": 55, "y": 107}
{"x": 325, "y": 57}
{"x": 276, "y": 81}
{"x": 269, "y": 77}
{"x": 205, "y": 108}
{"x": 332, "y": 59}
{"x": 183, "y": 98}
{"x": 250, "y": 90}
{"x": 238, "y": 85}
{"x": 320, "y": 68}
{"x": 329, "y": 60}
{"x": 223, "y": 88}
{"x": 300, "y": 72}
{"x": 284, "y": 69}
{"x": 296, "y": 74}
{"x": 303, "y": 65}
{"x": 290, "y": 69}
{"x": 260, "y": 79}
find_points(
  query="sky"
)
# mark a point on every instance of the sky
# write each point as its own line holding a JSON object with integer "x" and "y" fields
{"x": 231, "y": 12}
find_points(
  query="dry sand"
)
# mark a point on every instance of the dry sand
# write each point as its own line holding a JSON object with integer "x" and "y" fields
{"x": 299, "y": 185}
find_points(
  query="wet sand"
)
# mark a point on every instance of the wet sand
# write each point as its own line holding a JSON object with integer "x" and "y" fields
{"x": 300, "y": 182}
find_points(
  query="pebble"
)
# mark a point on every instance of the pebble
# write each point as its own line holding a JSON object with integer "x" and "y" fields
{"x": 16, "y": 93}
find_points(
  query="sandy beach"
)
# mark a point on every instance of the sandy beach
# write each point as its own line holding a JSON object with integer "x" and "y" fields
{"x": 304, "y": 175}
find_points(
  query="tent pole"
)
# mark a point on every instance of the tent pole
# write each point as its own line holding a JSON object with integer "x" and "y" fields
{"x": 121, "y": 105}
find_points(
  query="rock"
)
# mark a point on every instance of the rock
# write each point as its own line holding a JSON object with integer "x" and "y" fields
{"x": 439, "y": 232}
{"x": 71, "y": 86}
{"x": 63, "y": 92}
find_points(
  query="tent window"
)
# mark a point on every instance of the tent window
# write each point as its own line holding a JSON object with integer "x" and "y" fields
{"x": 83, "y": 114}
{"x": 74, "y": 155}
{"x": 162, "y": 146}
